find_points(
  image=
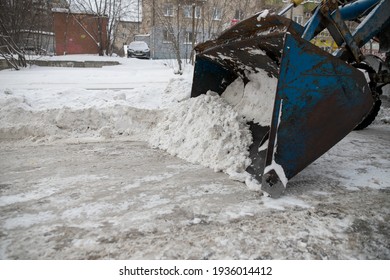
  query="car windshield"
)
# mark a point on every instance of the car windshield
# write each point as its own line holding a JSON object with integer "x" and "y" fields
{"x": 138, "y": 45}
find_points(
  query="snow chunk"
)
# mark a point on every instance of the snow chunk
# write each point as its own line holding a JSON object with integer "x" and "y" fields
{"x": 255, "y": 100}
{"x": 283, "y": 202}
{"x": 256, "y": 52}
{"x": 262, "y": 15}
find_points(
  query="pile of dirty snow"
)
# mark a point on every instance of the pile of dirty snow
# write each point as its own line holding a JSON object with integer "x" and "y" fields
{"x": 22, "y": 120}
{"x": 205, "y": 130}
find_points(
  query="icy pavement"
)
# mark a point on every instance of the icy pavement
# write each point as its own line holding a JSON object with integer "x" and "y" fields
{"x": 124, "y": 200}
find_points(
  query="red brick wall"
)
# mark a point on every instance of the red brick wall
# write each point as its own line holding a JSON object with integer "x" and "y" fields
{"x": 78, "y": 33}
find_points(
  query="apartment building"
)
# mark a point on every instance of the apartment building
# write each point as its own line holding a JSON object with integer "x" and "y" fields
{"x": 174, "y": 26}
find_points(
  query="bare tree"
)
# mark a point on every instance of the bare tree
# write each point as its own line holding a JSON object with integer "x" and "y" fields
{"x": 118, "y": 10}
{"x": 168, "y": 15}
{"x": 8, "y": 49}
{"x": 16, "y": 17}
{"x": 188, "y": 22}
{"x": 216, "y": 18}
{"x": 19, "y": 20}
{"x": 177, "y": 20}
{"x": 113, "y": 9}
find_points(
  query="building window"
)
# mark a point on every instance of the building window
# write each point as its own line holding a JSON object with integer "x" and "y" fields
{"x": 298, "y": 19}
{"x": 188, "y": 37}
{"x": 167, "y": 36}
{"x": 187, "y": 11}
{"x": 239, "y": 14}
{"x": 198, "y": 12}
{"x": 217, "y": 13}
{"x": 168, "y": 10}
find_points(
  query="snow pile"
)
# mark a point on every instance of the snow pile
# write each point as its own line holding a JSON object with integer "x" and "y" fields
{"x": 205, "y": 130}
{"x": 178, "y": 89}
{"x": 23, "y": 120}
{"x": 86, "y": 103}
{"x": 255, "y": 100}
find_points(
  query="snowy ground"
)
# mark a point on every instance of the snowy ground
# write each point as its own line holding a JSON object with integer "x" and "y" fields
{"x": 82, "y": 178}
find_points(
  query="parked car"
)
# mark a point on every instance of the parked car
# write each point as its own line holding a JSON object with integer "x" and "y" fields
{"x": 138, "y": 49}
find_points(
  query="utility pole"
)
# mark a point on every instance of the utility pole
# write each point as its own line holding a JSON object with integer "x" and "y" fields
{"x": 138, "y": 17}
{"x": 153, "y": 29}
{"x": 193, "y": 33}
{"x": 203, "y": 20}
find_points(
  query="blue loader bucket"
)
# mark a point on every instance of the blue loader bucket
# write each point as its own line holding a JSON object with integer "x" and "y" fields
{"x": 318, "y": 99}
